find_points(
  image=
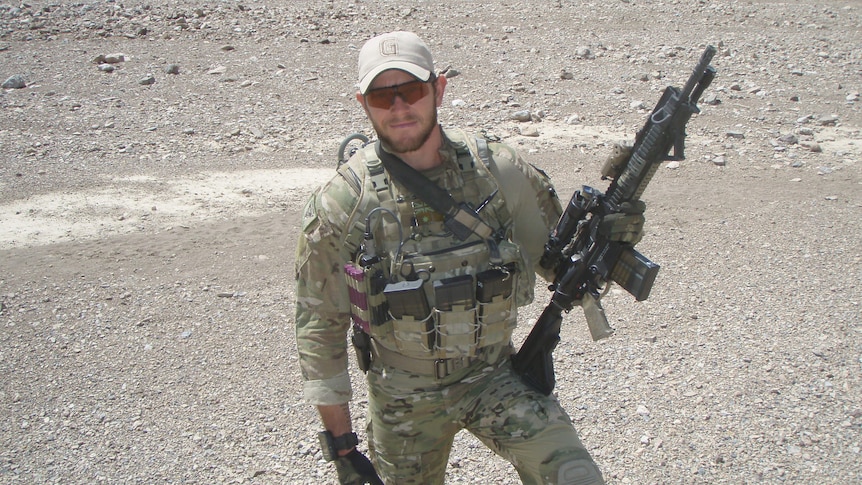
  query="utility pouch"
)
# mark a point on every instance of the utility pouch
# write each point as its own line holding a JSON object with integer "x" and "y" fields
{"x": 494, "y": 292}
{"x": 411, "y": 313}
{"x": 455, "y": 311}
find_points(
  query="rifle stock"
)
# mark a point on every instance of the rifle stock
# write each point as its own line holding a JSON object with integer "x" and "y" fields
{"x": 585, "y": 260}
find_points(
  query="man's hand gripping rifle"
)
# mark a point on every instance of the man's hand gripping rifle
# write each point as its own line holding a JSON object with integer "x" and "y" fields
{"x": 578, "y": 247}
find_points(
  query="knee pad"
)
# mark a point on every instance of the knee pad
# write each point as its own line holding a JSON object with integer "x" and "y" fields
{"x": 571, "y": 467}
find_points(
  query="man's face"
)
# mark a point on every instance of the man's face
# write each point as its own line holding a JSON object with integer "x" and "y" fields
{"x": 404, "y": 127}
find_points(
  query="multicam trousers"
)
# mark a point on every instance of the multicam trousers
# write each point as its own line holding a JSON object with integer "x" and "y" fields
{"x": 413, "y": 420}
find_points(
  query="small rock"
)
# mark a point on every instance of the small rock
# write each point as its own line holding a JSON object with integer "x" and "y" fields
{"x": 15, "y": 82}
{"x": 827, "y": 120}
{"x": 172, "y": 69}
{"x": 115, "y": 58}
{"x": 788, "y": 139}
{"x": 106, "y": 67}
{"x": 812, "y": 146}
{"x": 522, "y": 116}
{"x": 585, "y": 53}
{"x": 529, "y": 131}
{"x": 147, "y": 80}
{"x": 735, "y": 134}
{"x": 672, "y": 165}
{"x": 637, "y": 105}
{"x": 711, "y": 100}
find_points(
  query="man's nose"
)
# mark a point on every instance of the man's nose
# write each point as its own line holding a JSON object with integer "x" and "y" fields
{"x": 398, "y": 102}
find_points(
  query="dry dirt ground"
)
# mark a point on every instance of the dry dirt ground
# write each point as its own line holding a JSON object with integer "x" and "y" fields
{"x": 148, "y": 220}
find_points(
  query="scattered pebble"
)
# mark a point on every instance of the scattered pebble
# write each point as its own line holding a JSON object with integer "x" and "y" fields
{"x": 15, "y": 82}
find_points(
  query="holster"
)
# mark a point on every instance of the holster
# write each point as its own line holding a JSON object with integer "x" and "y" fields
{"x": 362, "y": 346}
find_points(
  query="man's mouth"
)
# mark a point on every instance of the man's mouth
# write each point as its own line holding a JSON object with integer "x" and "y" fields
{"x": 402, "y": 124}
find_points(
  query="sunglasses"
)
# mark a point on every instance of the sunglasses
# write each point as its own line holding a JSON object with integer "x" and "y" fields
{"x": 410, "y": 92}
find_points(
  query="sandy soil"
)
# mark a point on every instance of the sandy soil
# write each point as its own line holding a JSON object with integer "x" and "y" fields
{"x": 148, "y": 230}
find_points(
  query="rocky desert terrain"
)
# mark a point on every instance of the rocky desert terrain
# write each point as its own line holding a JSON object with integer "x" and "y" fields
{"x": 155, "y": 155}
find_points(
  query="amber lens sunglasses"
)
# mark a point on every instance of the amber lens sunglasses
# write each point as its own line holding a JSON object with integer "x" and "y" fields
{"x": 410, "y": 92}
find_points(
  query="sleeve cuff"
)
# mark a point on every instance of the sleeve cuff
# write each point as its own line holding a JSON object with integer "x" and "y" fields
{"x": 324, "y": 392}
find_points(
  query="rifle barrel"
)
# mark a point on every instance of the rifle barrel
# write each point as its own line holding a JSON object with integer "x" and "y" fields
{"x": 699, "y": 71}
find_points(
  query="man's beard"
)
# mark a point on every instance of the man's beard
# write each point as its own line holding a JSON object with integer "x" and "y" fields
{"x": 413, "y": 143}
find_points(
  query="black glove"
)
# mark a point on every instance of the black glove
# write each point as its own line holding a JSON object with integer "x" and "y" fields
{"x": 355, "y": 468}
{"x": 626, "y": 226}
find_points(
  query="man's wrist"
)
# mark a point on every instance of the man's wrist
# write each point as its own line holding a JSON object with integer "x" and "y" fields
{"x": 334, "y": 447}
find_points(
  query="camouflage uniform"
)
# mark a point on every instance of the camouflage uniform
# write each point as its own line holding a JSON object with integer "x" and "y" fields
{"x": 421, "y": 396}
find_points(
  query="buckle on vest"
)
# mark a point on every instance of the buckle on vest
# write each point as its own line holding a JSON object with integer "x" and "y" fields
{"x": 440, "y": 369}
{"x": 444, "y": 367}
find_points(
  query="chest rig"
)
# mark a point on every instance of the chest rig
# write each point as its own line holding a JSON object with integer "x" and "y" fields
{"x": 417, "y": 291}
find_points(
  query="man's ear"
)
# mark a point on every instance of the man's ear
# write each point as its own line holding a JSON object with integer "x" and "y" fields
{"x": 361, "y": 99}
{"x": 439, "y": 89}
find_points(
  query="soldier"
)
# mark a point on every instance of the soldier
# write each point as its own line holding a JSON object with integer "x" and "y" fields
{"x": 433, "y": 296}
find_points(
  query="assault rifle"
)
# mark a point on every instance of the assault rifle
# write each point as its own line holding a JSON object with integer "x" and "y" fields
{"x": 584, "y": 259}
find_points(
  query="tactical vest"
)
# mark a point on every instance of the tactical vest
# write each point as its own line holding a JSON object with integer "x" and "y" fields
{"x": 416, "y": 289}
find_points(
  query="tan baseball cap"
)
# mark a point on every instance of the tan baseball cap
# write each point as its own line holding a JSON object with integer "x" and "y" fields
{"x": 395, "y": 50}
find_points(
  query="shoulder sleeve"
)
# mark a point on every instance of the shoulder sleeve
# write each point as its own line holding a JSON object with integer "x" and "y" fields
{"x": 322, "y": 308}
{"x": 531, "y": 199}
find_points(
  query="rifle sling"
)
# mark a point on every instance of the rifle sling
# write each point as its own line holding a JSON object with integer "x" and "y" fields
{"x": 461, "y": 219}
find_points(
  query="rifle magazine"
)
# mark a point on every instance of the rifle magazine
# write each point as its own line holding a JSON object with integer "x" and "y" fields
{"x": 635, "y": 272}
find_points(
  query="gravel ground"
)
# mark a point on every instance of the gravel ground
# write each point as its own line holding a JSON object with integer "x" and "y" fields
{"x": 155, "y": 157}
